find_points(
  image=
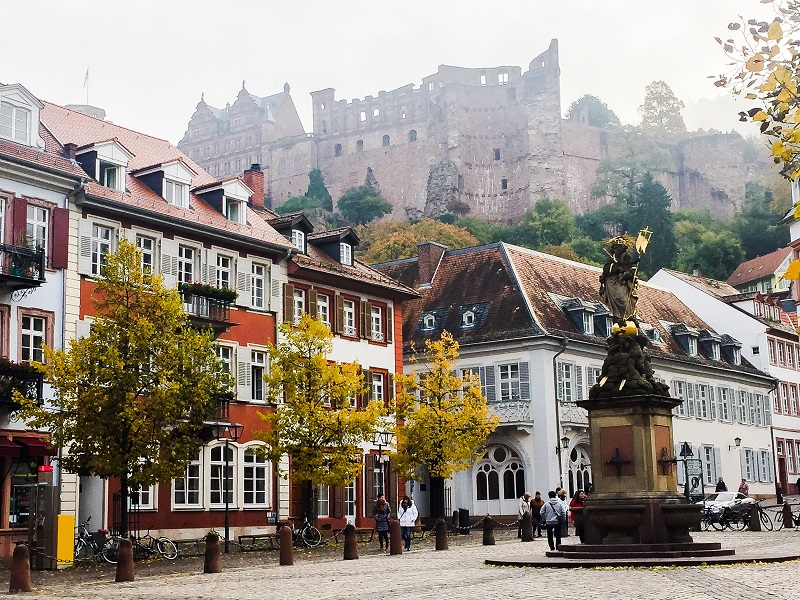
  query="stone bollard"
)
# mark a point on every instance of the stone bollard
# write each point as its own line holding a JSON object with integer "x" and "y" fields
{"x": 788, "y": 522}
{"x": 527, "y": 527}
{"x": 350, "y": 545}
{"x": 124, "y": 561}
{"x": 395, "y": 541}
{"x": 755, "y": 520}
{"x": 212, "y": 562}
{"x": 20, "y": 570}
{"x": 285, "y": 545}
{"x": 488, "y": 531}
{"x": 441, "y": 535}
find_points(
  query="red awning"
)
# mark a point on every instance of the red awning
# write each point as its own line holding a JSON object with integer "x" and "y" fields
{"x": 36, "y": 447}
{"x": 9, "y": 449}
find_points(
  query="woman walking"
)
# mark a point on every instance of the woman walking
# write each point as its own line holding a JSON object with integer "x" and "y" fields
{"x": 380, "y": 513}
{"x": 408, "y": 520}
{"x": 577, "y": 502}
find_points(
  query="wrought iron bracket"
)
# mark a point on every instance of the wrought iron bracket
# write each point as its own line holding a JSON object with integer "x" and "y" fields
{"x": 617, "y": 462}
{"x": 666, "y": 461}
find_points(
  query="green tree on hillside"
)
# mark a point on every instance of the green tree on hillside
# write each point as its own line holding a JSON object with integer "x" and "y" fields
{"x": 396, "y": 241}
{"x": 597, "y": 112}
{"x": 549, "y": 223}
{"x": 649, "y": 206}
{"x": 661, "y": 111}
{"x": 757, "y": 224}
{"x": 361, "y": 205}
{"x": 317, "y": 189}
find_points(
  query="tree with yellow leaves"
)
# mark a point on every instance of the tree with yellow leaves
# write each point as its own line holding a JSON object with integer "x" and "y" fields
{"x": 444, "y": 418}
{"x": 766, "y": 69}
{"x": 317, "y": 423}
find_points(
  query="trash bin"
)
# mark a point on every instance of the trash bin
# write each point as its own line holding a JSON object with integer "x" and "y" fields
{"x": 463, "y": 521}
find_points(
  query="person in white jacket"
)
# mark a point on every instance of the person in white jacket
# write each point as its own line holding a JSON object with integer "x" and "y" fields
{"x": 407, "y": 513}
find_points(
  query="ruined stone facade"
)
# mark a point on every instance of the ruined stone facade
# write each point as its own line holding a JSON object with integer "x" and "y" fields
{"x": 491, "y": 139}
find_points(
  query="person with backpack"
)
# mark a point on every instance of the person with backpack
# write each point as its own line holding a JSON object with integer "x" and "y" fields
{"x": 553, "y": 516}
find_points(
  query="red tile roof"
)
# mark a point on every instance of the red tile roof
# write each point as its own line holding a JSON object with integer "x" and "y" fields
{"x": 758, "y": 267}
{"x": 712, "y": 287}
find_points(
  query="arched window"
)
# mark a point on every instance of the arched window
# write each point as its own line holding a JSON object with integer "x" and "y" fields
{"x": 282, "y": 166}
{"x": 359, "y": 145}
{"x": 412, "y": 135}
{"x": 385, "y": 140}
{"x": 298, "y": 162}
{"x": 494, "y": 485}
{"x": 222, "y": 480}
{"x": 481, "y": 485}
{"x": 337, "y": 150}
{"x": 376, "y": 112}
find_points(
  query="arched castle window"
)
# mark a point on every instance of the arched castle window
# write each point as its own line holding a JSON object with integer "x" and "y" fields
{"x": 337, "y": 150}
{"x": 359, "y": 145}
{"x": 376, "y": 112}
{"x": 412, "y": 135}
{"x": 324, "y": 126}
{"x": 386, "y": 140}
{"x": 362, "y": 116}
{"x": 282, "y": 166}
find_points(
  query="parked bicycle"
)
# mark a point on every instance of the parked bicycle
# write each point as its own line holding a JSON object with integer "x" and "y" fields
{"x": 305, "y": 534}
{"x": 766, "y": 521}
{"x": 728, "y": 519}
{"x": 143, "y": 547}
{"x": 779, "y": 520}
{"x": 86, "y": 546}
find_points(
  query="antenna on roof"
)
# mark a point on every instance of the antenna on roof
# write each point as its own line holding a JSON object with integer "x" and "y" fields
{"x": 86, "y": 85}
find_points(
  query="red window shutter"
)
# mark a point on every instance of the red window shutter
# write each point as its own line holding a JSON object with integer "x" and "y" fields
{"x": 389, "y": 324}
{"x": 288, "y": 303}
{"x": 19, "y": 222}
{"x": 311, "y": 309}
{"x": 338, "y": 502}
{"x": 60, "y": 251}
{"x": 338, "y": 325}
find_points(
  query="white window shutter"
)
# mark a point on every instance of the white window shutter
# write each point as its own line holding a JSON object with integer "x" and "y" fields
{"x": 767, "y": 411}
{"x": 743, "y": 463}
{"x": 244, "y": 278}
{"x": 579, "y": 382}
{"x": 524, "y": 381}
{"x": 690, "y": 399}
{"x": 243, "y": 375}
{"x": 490, "y": 394}
{"x": 277, "y": 276}
{"x": 560, "y": 380}
{"x": 84, "y": 247}
{"x": 770, "y": 466}
{"x": 169, "y": 262}
{"x": 208, "y": 269}
{"x": 712, "y": 403}
{"x": 717, "y": 463}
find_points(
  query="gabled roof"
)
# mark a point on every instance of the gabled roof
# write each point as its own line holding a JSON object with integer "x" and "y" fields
{"x": 330, "y": 235}
{"x": 759, "y": 267}
{"x": 289, "y": 220}
{"x": 712, "y": 287}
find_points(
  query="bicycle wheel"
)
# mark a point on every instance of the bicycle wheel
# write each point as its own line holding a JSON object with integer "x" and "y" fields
{"x": 166, "y": 548}
{"x": 736, "y": 521}
{"x": 109, "y": 550}
{"x": 719, "y": 523}
{"x": 766, "y": 522}
{"x": 83, "y": 550}
{"x": 311, "y": 536}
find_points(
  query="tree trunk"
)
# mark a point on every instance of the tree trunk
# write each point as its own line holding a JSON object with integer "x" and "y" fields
{"x": 437, "y": 497}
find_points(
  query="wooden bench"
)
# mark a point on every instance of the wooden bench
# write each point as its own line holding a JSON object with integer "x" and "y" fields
{"x": 361, "y": 534}
{"x": 274, "y": 540}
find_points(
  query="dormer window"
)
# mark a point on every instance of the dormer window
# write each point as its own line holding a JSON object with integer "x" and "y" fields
{"x": 176, "y": 193}
{"x": 15, "y": 122}
{"x": 110, "y": 176}
{"x": 346, "y": 253}
{"x": 233, "y": 210}
{"x": 588, "y": 323}
{"x": 468, "y": 319}
{"x": 714, "y": 351}
{"x": 428, "y": 322}
{"x": 299, "y": 240}
{"x": 737, "y": 356}
{"x": 19, "y": 115}
{"x": 692, "y": 345}
{"x": 107, "y": 162}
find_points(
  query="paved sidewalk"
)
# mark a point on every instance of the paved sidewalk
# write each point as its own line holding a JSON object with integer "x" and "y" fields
{"x": 460, "y": 573}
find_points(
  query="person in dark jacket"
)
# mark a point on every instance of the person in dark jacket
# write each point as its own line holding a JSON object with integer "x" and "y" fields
{"x": 577, "y": 502}
{"x": 536, "y": 512}
{"x": 380, "y": 513}
{"x": 721, "y": 487}
{"x": 553, "y": 516}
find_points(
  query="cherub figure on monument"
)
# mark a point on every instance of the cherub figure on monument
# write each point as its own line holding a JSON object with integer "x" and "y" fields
{"x": 626, "y": 370}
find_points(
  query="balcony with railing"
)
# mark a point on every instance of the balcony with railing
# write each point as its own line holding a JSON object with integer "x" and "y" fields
{"x": 22, "y": 378}
{"x": 21, "y": 268}
{"x": 512, "y": 411}
{"x": 208, "y": 306}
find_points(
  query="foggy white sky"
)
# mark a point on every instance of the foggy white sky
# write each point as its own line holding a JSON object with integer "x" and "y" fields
{"x": 150, "y": 60}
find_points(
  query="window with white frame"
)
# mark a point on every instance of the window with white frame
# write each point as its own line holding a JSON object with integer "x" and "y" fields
{"x": 186, "y": 489}
{"x": 142, "y": 497}
{"x": 428, "y": 322}
{"x": 790, "y": 458}
{"x": 692, "y": 340}
{"x": 793, "y": 399}
{"x": 751, "y": 409}
{"x": 765, "y": 465}
{"x": 350, "y": 500}
{"x": 703, "y": 401}
{"x": 377, "y": 387}
{"x": 741, "y": 401}
{"x": 234, "y": 210}
{"x": 588, "y": 322}
{"x": 110, "y": 175}
{"x": 258, "y": 368}
{"x": 15, "y": 122}
{"x": 468, "y": 319}
{"x": 147, "y": 250}
{"x": 346, "y": 253}
{"x": 323, "y": 506}
{"x": 781, "y": 358}
{"x": 257, "y": 282}
{"x": 323, "y": 309}
{"x": 749, "y": 465}
{"x": 509, "y": 381}
{"x": 224, "y": 271}
{"x": 758, "y": 401}
{"x": 299, "y": 240}
{"x": 176, "y": 193}
{"x": 679, "y": 389}
{"x": 101, "y": 247}
{"x": 709, "y": 466}
{"x": 566, "y": 381}
{"x": 34, "y": 330}
{"x": 714, "y": 351}
{"x": 299, "y": 304}
{"x": 349, "y": 317}
{"x": 186, "y": 267}
{"x": 222, "y": 480}
{"x": 37, "y": 226}
{"x": 254, "y": 478}
{"x": 376, "y": 318}
{"x": 783, "y": 392}
{"x": 725, "y": 403}
{"x": 225, "y": 355}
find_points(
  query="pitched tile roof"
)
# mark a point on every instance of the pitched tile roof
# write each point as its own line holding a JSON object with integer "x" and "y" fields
{"x": 759, "y": 267}
{"x": 51, "y": 158}
{"x": 712, "y": 287}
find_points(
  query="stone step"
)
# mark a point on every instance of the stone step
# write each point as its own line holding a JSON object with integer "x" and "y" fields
{"x": 567, "y": 549}
{"x": 594, "y": 555}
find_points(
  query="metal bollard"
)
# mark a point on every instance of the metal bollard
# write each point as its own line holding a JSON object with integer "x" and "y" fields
{"x": 350, "y": 545}
{"x": 20, "y": 571}
{"x": 488, "y": 531}
{"x": 285, "y": 544}
{"x": 755, "y": 520}
{"x": 124, "y": 561}
{"x": 788, "y": 521}
{"x": 212, "y": 563}
{"x": 441, "y": 535}
{"x": 527, "y": 527}
{"x": 395, "y": 541}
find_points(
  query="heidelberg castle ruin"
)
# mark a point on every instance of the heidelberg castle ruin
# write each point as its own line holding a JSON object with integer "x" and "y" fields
{"x": 492, "y": 139}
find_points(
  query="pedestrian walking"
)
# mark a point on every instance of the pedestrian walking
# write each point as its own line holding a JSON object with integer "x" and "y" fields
{"x": 524, "y": 507}
{"x": 721, "y": 487}
{"x": 744, "y": 488}
{"x": 408, "y": 519}
{"x": 536, "y": 509}
{"x": 562, "y": 497}
{"x": 380, "y": 512}
{"x": 553, "y": 515}
{"x": 577, "y": 502}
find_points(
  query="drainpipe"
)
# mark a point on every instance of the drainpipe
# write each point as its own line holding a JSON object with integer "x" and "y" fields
{"x": 564, "y": 343}
{"x": 778, "y": 492}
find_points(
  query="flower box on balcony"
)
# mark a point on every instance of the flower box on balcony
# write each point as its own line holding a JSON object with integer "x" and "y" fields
{"x": 208, "y": 291}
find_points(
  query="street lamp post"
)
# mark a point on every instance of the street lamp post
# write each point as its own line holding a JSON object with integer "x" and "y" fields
{"x": 228, "y": 432}
{"x": 380, "y": 439}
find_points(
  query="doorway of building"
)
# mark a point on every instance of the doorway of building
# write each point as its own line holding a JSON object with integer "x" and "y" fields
{"x": 499, "y": 479}
{"x": 579, "y": 469}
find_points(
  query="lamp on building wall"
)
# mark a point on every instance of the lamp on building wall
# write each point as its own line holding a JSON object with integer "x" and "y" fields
{"x": 381, "y": 438}
{"x": 565, "y": 442}
{"x": 228, "y": 432}
{"x": 737, "y": 441}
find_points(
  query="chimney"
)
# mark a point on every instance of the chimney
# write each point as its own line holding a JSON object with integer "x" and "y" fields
{"x": 429, "y": 256}
{"x": 254, "y": 179}
{"x": 70, "y": 149}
